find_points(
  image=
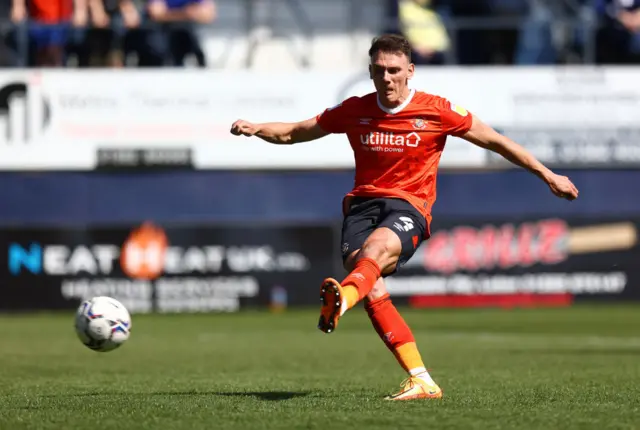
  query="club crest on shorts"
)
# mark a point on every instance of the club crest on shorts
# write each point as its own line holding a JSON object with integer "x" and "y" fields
{"x": 345, "y": 248}
{"x": 419, "y": 123}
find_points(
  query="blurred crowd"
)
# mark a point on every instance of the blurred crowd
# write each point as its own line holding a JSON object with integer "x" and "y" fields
{"x": 106, "y": 33}
{"x": 522, "y": 32}
{"x": 157, "y": 33}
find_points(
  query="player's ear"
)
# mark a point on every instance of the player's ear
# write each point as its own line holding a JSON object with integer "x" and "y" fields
{"x": 411, "y": 70}
{"x": 370, "y": 72}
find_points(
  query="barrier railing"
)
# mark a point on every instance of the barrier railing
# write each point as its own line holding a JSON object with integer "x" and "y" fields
{"x": 259, "y": 22}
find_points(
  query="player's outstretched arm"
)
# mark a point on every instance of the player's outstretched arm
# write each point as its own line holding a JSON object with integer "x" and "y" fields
{"x": 486, "y": 137}
{"x": 280, "y": 133}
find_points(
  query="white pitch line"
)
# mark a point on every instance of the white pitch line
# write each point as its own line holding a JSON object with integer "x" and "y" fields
{"x": 540, "y": 338}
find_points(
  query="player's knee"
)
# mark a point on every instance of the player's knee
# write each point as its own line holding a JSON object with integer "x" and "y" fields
{"x": 382, "y": 251}
{"x": 349, "y": 262}
{"x": 378, "y": 291}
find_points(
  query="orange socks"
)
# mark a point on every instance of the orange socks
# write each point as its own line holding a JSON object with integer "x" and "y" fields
{"x": 390, "y": 326}
{"x": 409, "y": 358}
{"x": 395, "y": 333}
{"x": 360, "y": 281}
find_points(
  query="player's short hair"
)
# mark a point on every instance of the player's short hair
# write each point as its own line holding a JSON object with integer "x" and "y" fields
{"x": 390, "y": 43}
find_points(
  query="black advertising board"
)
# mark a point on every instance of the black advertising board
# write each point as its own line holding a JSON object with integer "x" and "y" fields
{"x": 168, "y": 268}
{"x": 547, "y": 261}
{"x": 191, "y": 268}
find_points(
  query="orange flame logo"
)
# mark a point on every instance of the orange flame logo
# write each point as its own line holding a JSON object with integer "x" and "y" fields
{"x": 143, "y": 252}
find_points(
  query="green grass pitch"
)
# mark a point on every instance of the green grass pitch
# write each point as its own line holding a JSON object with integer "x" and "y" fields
{"x": 571, "y": 368}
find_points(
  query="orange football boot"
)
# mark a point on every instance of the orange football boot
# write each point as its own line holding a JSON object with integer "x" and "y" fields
{"x": 414, "y": 388}
{"x": 332, "y": 298}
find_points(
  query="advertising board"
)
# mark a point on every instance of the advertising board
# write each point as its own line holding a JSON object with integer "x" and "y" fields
{"x": 548, "y": 261}
{"x": 164, "y": 268}
{"x": 79, "y": 120}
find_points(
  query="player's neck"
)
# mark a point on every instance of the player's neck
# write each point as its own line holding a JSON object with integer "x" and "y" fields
{"x": 393, "y": 104}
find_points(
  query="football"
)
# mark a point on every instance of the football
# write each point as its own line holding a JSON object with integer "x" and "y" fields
{"x": 102, "y": 324}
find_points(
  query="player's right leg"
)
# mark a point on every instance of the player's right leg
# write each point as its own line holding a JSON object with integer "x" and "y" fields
{"x": 360, "y": 221}
{"x": 386, "y": 240}
{"x": 385, "y": 232}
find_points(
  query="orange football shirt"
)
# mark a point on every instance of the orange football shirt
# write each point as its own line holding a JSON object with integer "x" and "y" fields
{"x": 397, "y": 151}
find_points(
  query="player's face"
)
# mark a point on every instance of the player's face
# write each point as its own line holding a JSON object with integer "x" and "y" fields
{"x": 391, "y": 73}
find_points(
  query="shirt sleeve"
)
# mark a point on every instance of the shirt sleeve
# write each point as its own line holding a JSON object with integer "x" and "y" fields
{"x": 337, "y": 118}
{"x": 455, "y": 120}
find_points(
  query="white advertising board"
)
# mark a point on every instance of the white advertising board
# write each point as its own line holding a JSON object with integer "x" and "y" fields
{"x": 567, "y": 117}
{"x": 62, "y": 119}
{"x": 66, "y": 116}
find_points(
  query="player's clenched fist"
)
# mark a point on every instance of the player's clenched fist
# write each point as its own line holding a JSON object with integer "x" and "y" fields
{"x": 243, "y": 128}
{"x": 562, "y": 186}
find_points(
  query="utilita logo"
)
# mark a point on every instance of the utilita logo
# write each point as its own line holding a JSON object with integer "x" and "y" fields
{"x": 389, "y": 142}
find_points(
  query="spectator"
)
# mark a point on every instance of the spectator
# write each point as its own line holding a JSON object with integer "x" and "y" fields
{"x": 43, "y": 28}
{"x": 105, "y": 43}
{"x": 174, "y": 35}
{"x": 473, "y": 46}
{"x": 424, "y": 29}
{"x": 392, "y": 19}
{"x": 507, "y": 42}
{"x": 619, "y": 37}
{"x": 535, "y": 44}
{"x": 5, "y": 53}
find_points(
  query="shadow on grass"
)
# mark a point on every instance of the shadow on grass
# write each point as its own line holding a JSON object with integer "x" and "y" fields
{"x": 266, "y": 395}
{"x": 262, "y": 395}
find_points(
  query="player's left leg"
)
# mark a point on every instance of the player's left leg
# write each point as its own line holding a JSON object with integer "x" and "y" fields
{"x": 378, "y": 253}
{"x": 362, "y": 217}
{"x": 397, "y": 336}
